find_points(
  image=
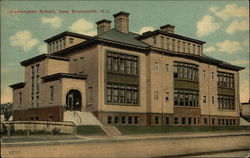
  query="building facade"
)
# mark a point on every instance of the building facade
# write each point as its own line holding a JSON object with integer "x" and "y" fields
{"x": 125, "y": 78}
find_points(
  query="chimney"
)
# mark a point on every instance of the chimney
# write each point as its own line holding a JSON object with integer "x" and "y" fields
{"x": 167, "y": 28}
{"x": 121, "y": 22}
{"x": 103, "y": 26}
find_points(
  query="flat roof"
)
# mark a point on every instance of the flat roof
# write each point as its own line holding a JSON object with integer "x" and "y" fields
{"x": 156, "y": 32}
{"x": 42, "y": 57}
{"x": 17, "y": 85}
{"x": 67, "y": 33}
{"x": 58, "y": 76}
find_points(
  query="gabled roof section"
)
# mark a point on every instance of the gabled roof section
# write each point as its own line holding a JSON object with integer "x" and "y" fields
{"x": 130, "y": 38}
{"x": 67, "y": 33}
{"x": 42, "y": 57}
{"x": 17, "y": 85}
{"x": 58, "y": 76}
{"x": 156, "y": 32}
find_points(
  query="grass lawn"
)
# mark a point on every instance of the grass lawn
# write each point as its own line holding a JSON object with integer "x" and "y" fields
{"x": 176, "y": 129}
{"x": 90, "y": 130}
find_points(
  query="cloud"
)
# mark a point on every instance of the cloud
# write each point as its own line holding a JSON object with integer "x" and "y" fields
{"x": 228, "y": 46}
{"x": 209, "y": 49}
{"x": 83, "y": 26}
{"x": 145, "y": 29}
{"x": 42, "y": 49}
{"x": 23, "y": 39}
{"x": 6, "y": 95}
{"x": 230, "y": 10}
{"x": 55, "y": 21}
{"x": 237, "y": 25}
{"x": 240, "y": 62}
{"x": 206, "y": 26}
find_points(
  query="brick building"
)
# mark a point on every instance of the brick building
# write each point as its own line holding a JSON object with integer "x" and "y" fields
{"x": 125, "y": 78}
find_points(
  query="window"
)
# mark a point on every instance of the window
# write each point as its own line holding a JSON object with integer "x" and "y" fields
{"x": 194, "y": 120}
{"x": 60, "y": 44}
{"x": 162, "y": 42}
{"x": 37, "y": 100}
{"x": 136, "y": 120}
{"x": 212, "y": 100}
{"x": 219, "y": 121}
{"x": 183, "y": 120}
{"x": 190, "y": 120}
{"x": 54, "y": 48}
{"x": 183, "y": 97}
{"x": 193, "y": 48}
{"x": 123, "y": 119}
{"x": 154, "y": 40}
{"x": 176, "y": 120}
{"x": 184, "y": 47}
{"x": 51, "y": 93}
{"x": 109, "y": 119}
{"x": 173, "y": 44}
{"x": 199, "y": 50}
{"x": 166, "y": 96}
{"x": 168, "y": 43}
{"x": 204, "y": 73}
{"x": 156, "y": 120}
{"x": 189, "y": 48}
{"x": 186, "y": 71}
{"x": 205, "y": 121}
{"x": 130, "y": 120}
{"x": 116, "y": 120}
{"x": 231, "y": 123}
{"x": 121, "y": 63}
{"x": 179, "y": 46}
{"x": 56, "y": 45}
{"x": 212, "y": 75}
{"x": 71, "y": 40}
{"x": 90, "y": 95}
{"x": 20, "y": 98}
{"x": 50, "y": 48}
{"x": 167, "y": 67}
{"x": 226, "y": 102}
{"x": 204, "y": 99}
{"x": 156, "y": 66}
{"x": 167, "y": 120}
{"x": 122, "y": 93}
{"x": 225, "y": 80}
{"x": 156, "y": 96}
{"x": 213, "y": 121}
{"x": 64, "y": 43}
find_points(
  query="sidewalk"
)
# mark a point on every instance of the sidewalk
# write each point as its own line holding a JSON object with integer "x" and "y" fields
{"x": 79, "y": 139}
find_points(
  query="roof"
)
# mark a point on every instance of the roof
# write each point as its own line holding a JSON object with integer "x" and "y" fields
{"x": 42, "y": 57}
{"x": 156, "y": 32}
{"x": 103, "y": 21}
{"x": 203, "y": 59}
{"x": 17, "y": 85}
{"x": 118, "y": 36}
{"x": 58, "y": 76}
{"x": 131, "y": 41}
{"x": 121, "y": 13}
{"x": 67, "y": 33}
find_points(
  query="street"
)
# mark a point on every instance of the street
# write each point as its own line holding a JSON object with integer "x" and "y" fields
{"x": 141, "y": 146}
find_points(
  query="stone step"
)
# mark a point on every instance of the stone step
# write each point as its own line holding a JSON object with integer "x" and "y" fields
{"x": 81, "y": 118}
{"x": 111, "y": 130}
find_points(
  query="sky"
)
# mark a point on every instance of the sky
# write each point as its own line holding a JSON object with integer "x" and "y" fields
{"x": 224, "y": 25}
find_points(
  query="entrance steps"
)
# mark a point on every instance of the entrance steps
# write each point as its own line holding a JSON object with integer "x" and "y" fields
{"x": 111, "y": 130}
{"x": 81, "y": 118}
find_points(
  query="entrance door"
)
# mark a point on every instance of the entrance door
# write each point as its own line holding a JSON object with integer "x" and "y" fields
{"x": 74, "y": 100}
